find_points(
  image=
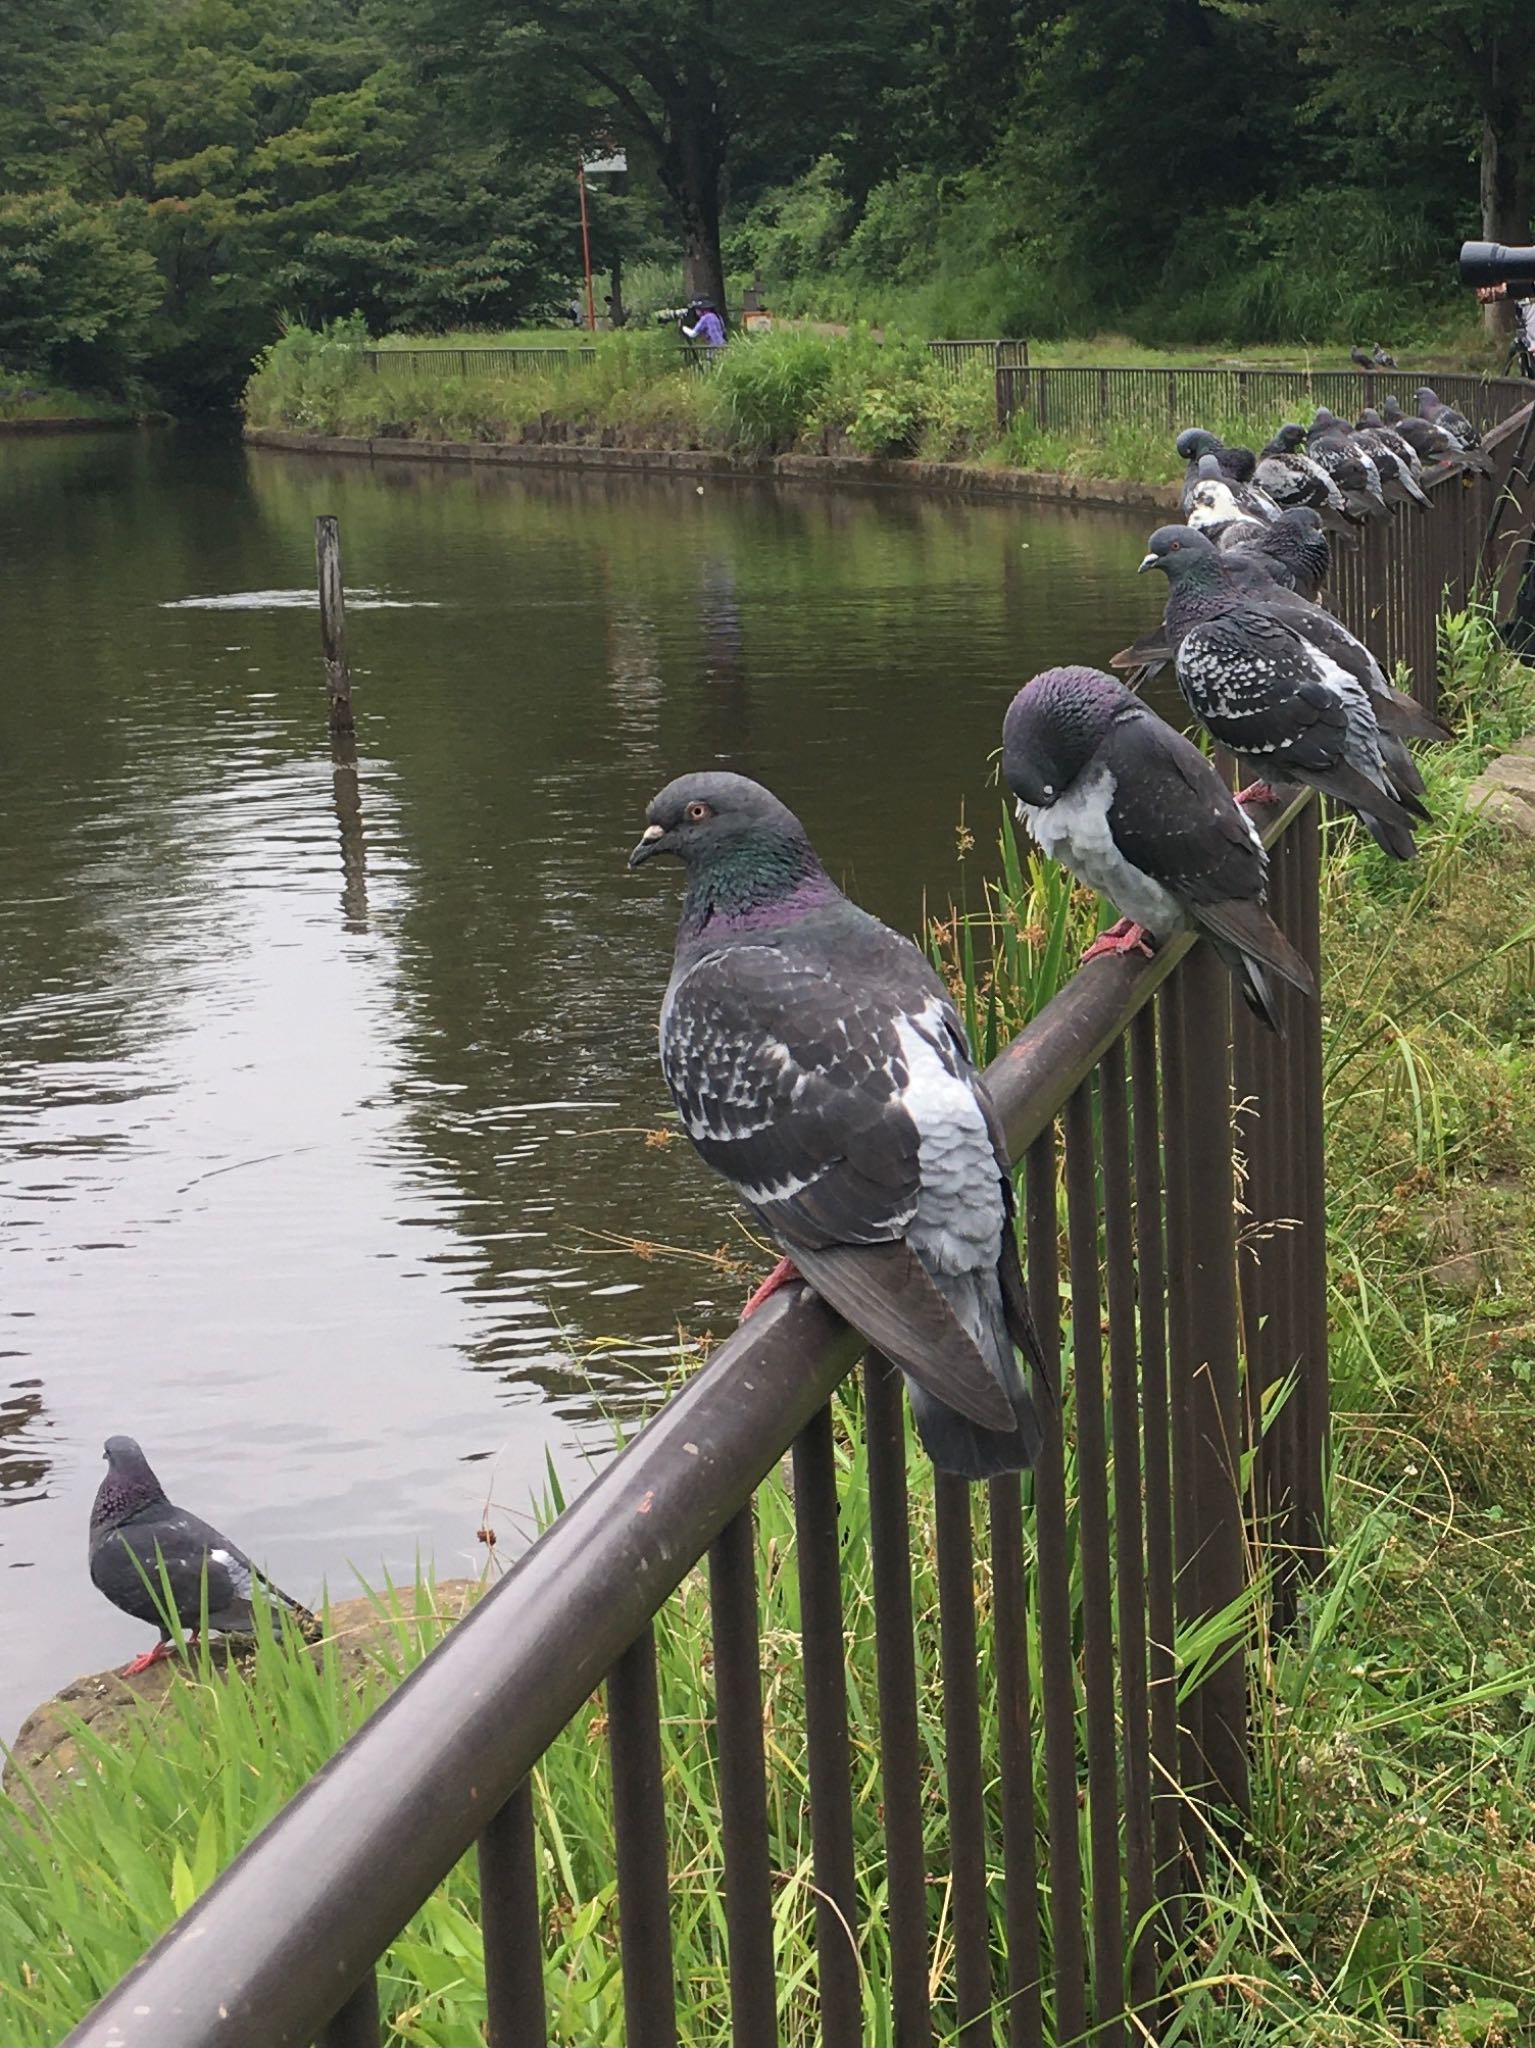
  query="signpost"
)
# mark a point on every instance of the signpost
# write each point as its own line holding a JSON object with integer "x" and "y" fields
{"x": 594, "y": 167}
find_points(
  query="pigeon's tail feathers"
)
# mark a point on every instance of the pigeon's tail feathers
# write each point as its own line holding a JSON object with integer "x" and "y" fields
{"x": 1254, "y": 947}
{"x": 1401, "y": 490}
{"x": 952, "y": 1441}
{"x": 1389, "y": 836}
{"x": 1473, "y": 458}
{"x": 1346, "y": 785}
{"x": 1402, "y": 774}
{"x": 1398, "y": 713}
{"x": 889, "y": 1297}
{"x": 1151, "y": 647}
{"x": 309, "y": 1625}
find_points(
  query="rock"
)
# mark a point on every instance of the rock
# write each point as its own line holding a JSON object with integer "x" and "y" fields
{"x": 46, "y": 1754}
{"x": 1496, "y": 800}
{"x": 1512, "y": 771}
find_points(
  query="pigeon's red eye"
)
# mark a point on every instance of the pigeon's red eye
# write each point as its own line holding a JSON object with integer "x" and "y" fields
{"x": 697, "y": 812}
{"x": 1174, "y": 547}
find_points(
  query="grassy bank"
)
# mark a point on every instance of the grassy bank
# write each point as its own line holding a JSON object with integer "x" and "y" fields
{"x": 1387, "y": 1892}
{"x": 793, "y": 391}
{"x": 24, "y": 398}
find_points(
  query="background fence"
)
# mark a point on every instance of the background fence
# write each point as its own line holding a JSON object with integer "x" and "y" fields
{"x": 1083, "y": 400}
{"x": 1116, "y": 1585}
{"x": 952, "y": 356}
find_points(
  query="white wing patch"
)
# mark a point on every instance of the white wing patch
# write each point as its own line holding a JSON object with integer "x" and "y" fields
{"x": 958, "y": 1224}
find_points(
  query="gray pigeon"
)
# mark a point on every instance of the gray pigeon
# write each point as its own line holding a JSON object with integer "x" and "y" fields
{"x": 1432, "y": 443}
{"x": 135, "y": 1532}
{"x": 818, "y": 1063}
{"x": 1136, "y": 811}
{"x": 1398, "y": 473}
{"x": 1381, "y": 359}
{"x": 1290, "y": 477}
{"x": 1294, "y": 549}
{"x": 1236, "y": 465}
{"x": 1446, "y": 418}
{"x": 1265, "y": 691}
{"x": 1371, "y": 424}
{"x": 1350, "y": 466}
{"x": 1363, "y": 358}
{"x": 1218, "y": 501}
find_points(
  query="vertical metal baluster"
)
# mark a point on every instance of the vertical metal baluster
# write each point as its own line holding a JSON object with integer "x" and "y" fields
{"x": 1057, "y": 1652}
{"x": 826, "y": 1738}
{"x": 1284, "y": 1114}
{"x": 899, "y": 1740}
{"x": 356, "y": 2025}
{"x": 513, "y": 1926}
{"x": 1151, "y": 1271}
{"x": 733, "y": 1603}
{"x": 1130, "y": 1572}
{"x": 962, "y": 1761}
{"x": 639, "y": 1831}
{"x": 1177, "y": 1115}
{"x": 1015, "y": 1744}
{"x": 1316, "y": 1407}
{"x": 1093, "y": 1559}
{"x": 1213, "y": 1329}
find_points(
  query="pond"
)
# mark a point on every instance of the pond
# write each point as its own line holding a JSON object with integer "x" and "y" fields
{"x": 347, "y": 1188}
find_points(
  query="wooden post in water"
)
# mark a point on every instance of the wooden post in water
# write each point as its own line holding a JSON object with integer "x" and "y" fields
{"x": 338, "y": 677}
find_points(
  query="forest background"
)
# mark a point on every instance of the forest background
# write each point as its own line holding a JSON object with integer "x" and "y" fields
{"x": 180, "y": 179}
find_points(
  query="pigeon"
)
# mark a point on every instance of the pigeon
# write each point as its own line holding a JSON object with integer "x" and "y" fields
{"x": 1398, "y": 480}
{"x": 135, "y": 1533}
{"x": 1363, "y": 358}
{"x": 818, "y": 1063}
{"x": 1291, "y": 477}
{"x": 1236, "y": 465}
{"x": 1221, "y": 500}
{"x": 1375, "y": 429}
{"x": 1446, "y": 418}
{"x": 1137, "y": 812}
{"x": 1349, "y": 467}
{"x": 1294, "y": 549}
{"x": 1265, "y": 691}
{"x": 1381, "y": 359}
{"x": 1432, "y": 443}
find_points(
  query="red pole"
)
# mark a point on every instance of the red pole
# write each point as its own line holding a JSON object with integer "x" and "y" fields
{"x": 586, "y": 250}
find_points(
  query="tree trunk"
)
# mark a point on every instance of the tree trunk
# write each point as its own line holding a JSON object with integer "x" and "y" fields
{"x": 616, "y": 289}
{"x": 1502, "y": 186}
{"x": 690, "y": 172}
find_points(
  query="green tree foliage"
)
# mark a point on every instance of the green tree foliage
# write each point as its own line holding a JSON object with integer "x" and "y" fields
{"x": 80, "y": 288}
{"x": 691, "y": 87}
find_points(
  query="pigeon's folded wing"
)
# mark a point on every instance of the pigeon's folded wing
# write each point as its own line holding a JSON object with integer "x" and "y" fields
{"x": 1173, "y": 818}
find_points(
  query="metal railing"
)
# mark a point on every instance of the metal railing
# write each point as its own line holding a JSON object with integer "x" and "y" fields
{"x": 1189, "y": 1450}
{"x": 460, "y": 362}
{"x": 955, "y": 356}
{"x": 1077, "y": 400}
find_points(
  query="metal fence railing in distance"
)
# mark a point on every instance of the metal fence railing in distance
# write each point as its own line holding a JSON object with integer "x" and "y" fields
{"x": 480, "y": 362}
{"x": 957, "y": 356}
{"x": 1081, "y": 400}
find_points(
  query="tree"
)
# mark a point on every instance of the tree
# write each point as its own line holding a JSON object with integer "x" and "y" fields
{"x": 684, "y": 84}
{"x": 80, "y": 289}
{"x": 1390, "y": 64}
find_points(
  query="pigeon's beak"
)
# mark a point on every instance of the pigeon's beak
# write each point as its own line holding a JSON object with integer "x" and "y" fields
{"x": 650, "y": 839}
{"x": 1147, "y": 562}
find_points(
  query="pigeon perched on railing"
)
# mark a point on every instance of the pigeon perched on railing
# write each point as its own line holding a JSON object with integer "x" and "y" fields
{"x": 1294, "y": 548}
{"x": 1236, "y": 465}
{"x": 1371, "y": 425}
{"x": 818, "y": 1063}
{"x": 1431, "y": 441}
{"x": 1350, "y": 468}
{"x": 140, "y": 1543}
{"x": 1446, "y": 418}
{"x": 1137, "y": 812}
{"x": 1398, "y": 481}
{"x": 1292, "y": 477}
{"x": 1266, "y": 692}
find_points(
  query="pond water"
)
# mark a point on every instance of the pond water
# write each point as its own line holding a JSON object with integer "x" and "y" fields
{"x": 337, "y": 1182}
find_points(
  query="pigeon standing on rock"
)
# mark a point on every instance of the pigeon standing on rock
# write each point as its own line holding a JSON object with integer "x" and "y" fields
{"x": 1136, "y": 811}
{"x": 1265, "y": 691}
{"x": 139, "y": 1543}
{"x": 818, "y": 1063}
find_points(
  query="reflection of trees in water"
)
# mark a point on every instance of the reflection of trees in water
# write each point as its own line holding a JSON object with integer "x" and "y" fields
{"x": 24, "y": 1465}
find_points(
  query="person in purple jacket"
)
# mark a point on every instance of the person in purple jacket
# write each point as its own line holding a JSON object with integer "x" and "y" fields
{"x": 707, "y": 326}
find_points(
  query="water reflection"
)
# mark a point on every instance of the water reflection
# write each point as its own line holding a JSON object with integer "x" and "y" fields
{"x": 334, "y": 1159}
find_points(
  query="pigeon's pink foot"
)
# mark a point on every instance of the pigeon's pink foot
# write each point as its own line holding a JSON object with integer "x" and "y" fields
{"x": 1258, "y": 793}
{"x": 1124, "y": 937}
{"x": 781, "y": 1275}
{"x": 145, "y": 1658}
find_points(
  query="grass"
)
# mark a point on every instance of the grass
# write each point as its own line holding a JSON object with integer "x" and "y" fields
{"x": 1386, "y": 1892}
{"x": 27, "y": 398}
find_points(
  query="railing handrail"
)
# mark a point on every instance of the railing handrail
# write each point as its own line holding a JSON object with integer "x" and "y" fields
{"x": 266, "y": 1955}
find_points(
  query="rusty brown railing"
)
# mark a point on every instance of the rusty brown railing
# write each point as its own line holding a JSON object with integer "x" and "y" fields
{"x": 1189, "y": 1455}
